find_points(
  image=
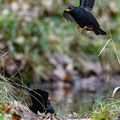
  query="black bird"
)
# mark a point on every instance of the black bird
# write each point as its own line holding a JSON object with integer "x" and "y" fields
{"x": 81, "y": 15}
{"x": 40, "y": 102}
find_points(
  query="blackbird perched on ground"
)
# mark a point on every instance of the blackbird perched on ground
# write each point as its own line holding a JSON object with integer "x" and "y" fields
{"x": 40, "y": 102}
{"x": 81, "y": 15}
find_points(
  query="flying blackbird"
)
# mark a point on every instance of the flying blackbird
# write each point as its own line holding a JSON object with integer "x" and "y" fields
{"x": 81, "y": 15}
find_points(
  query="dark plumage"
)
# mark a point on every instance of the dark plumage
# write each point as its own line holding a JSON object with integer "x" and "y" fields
{"x": 40, "y": 102}
{"x": 81, "y": 15}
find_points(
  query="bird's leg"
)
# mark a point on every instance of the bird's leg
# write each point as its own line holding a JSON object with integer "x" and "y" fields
{"x": 79, "y": 28}
{"x": 86, "y": 28}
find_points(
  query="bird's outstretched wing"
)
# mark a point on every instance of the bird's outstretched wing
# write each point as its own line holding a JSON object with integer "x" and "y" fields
{"x": 87, "y": 4}
{"x": 69, "y": 17}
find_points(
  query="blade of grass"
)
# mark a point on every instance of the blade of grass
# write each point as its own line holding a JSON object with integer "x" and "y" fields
{"x": 104, "y": 47}
{"x": 116, "y": 52}
{"x": 115, "y": 90}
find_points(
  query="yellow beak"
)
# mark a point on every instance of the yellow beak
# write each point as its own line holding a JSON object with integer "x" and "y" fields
{"x": 49, "y": 98}
{"x": 68, "y": 10}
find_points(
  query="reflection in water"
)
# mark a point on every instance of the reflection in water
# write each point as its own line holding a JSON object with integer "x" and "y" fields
{"x": 71, "y": 102}
{"x": 65, "y": 99}
{"x": 74, "y": 97}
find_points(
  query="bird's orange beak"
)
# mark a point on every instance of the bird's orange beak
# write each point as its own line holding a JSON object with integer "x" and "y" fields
{"x": 68, "y": 10}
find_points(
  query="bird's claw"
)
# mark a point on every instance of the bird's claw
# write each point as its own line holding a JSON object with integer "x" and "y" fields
{"x": 79, "y": 28}
{"x": 86, "y": 28}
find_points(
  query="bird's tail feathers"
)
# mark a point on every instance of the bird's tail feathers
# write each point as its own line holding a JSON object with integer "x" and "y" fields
{"x": 99, "y": 31}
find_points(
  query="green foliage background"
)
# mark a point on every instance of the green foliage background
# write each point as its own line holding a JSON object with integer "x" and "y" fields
{"x": 37, "y": 31}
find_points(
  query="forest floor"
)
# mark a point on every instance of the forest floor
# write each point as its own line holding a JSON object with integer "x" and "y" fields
{"x": 104, "y": 110}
